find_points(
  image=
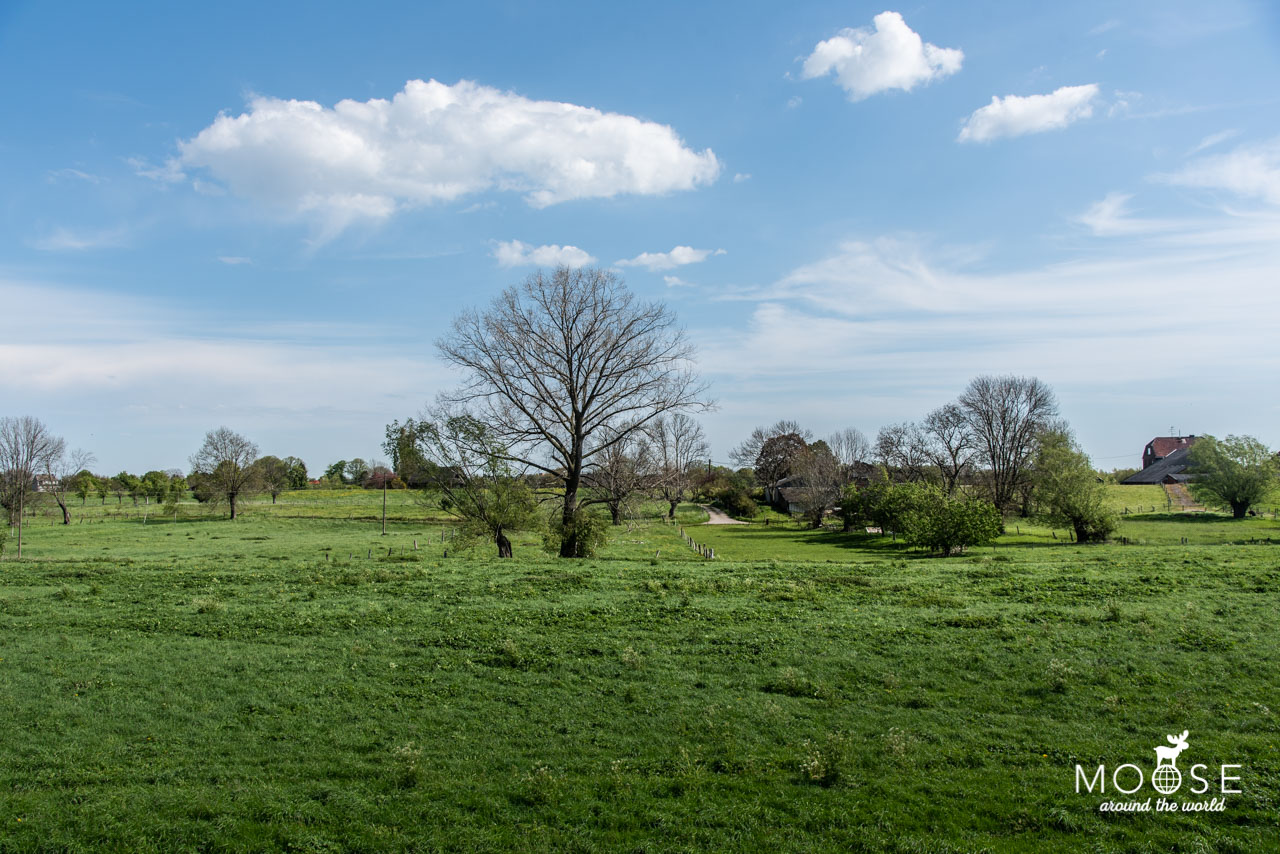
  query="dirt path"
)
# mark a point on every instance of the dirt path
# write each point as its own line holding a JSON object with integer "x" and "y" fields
{"x": 1181, "y": 497}
{"x": 718, "y": 518}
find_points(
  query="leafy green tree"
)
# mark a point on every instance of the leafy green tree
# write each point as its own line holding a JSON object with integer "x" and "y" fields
{"x": 881, "y": 503}
{"x": 297, "y": 472}
{"x": 337, "y": 473}
{"x": 403, "y": 445}
{"x": 469, "y": 470}
{"x": 83, "y": 483}
{"x": 1068, "y": 491}
{"x": 357, "y": 471}
{"x": 155, "y": 484}
{"x": 1236, "y": 472}
{"x": 273, "y": 474}
{"x": 132, "y": 485}
{"x": 948, "y": 524}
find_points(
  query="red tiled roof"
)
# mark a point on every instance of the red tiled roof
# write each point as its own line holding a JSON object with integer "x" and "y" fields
{"x": 1163, "y": 446}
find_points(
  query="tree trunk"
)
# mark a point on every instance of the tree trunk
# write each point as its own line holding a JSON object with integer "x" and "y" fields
{"x": 671, "y": 512}
{"x": 1239, "y": 509}
{"x": 62, "y": 505}
{"x": 569, "y": 540}
{"x": 615, "y": 512}
{"x": 1082, "y": 531}
{"x": 231, "y": 497}
{"x": 504, "y": 545}
{"x": 273, "y": 498}
{"x": 20, "y": 509}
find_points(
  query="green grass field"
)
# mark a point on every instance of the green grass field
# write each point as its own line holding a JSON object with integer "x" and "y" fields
{"x": 282, "y": 683}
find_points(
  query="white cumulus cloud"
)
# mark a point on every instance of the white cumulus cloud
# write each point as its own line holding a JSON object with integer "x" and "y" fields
{"x": 1014, "y": 115}
{"x": 677, "y": 257}
{"x": 892, "y": 56}
{"x": 514, "y": 253}
{"x": 434, "y": 142}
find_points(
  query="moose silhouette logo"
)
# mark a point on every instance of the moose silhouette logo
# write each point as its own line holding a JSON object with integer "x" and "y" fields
{"x": 1128, "y": 779}
{"x": 1167, "y": 778}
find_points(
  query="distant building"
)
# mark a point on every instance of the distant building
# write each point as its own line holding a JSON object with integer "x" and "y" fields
{"x": 45, "y": 483}
{"x": 1164, "y": 460}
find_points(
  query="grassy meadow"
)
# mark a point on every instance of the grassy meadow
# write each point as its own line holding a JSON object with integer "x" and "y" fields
{"x": 297, "y": 681}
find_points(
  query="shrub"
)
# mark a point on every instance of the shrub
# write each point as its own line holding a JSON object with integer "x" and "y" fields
{"x": 938, "y": 522}
{"x": 590, "y": 531}
{"x": 736, "y": 501}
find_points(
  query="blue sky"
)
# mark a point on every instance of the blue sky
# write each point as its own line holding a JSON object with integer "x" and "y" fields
{"x": 263, "y": 217}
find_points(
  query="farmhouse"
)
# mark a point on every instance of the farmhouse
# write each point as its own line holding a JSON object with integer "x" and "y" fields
{"x": 1164, "y": 460}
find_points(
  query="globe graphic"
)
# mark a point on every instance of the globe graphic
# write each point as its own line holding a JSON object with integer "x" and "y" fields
{"x": 1166, "y": 779}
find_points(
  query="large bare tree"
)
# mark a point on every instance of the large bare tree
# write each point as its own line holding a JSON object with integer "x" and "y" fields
{"x": 948, "y": 443}
{"x": 564, "y": 359}
{"x": 901, "y": 447}
{"x": 27, "y": 449}
{"x": 225, "y": 462}
{"x": 678, "y": 446}
{"x": 851, "y": 450}
{"x": 1006, "y": 415}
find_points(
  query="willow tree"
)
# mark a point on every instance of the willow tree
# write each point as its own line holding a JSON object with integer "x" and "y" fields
{"x": 563, "y": 367}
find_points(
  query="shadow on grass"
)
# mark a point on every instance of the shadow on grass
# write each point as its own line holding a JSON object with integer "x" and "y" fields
{"x": 852, "y": 540}
{"x": 1188, "y": 518}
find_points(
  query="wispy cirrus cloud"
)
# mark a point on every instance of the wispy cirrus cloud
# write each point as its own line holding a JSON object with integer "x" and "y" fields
{"x": 888, "y": 56}
{"x": 75, "y": 174}
{"x": 1016, "y": 115}
{"x": 72, "y": 240}
{"x": 1249, "y": 171}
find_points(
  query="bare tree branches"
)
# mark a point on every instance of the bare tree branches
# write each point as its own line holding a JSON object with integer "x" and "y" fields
{"x": 27, "y": 449}
{"x": 623, "y": 472}
{"x": 60, "y": 471}
{"x": 902, "y": 447}
{"x": 225, "y": 461}
{"x": 679, "y": 445}
{"x": 559, "y": 362}
{"x": 851, "y": 450}
{"x": 948, "y": 443}
{"x": 1006, "y": 415}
